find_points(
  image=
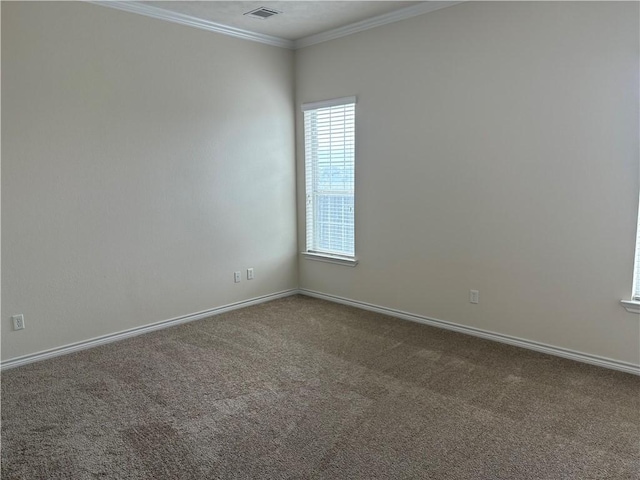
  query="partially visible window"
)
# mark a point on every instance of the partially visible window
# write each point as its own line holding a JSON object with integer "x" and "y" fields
{"x": 329, "y": 142}
{"x": 636, "y": 271}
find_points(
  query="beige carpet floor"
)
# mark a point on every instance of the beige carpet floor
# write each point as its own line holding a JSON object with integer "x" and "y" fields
{"x": 300, "y": 388}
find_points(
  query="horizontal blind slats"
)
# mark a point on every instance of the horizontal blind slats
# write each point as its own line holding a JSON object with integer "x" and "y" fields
{"x": 329, "y": 176}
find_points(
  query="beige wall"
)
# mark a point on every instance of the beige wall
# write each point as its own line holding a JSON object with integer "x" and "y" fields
{"x": 142, "y": 163}
{"x": 497, "y": 150}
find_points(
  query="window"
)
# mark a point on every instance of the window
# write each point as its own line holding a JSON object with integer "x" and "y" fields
{"x": 636, "y": 270}
{"x": 329, "y": 143}
{"x": 633, "y": 305}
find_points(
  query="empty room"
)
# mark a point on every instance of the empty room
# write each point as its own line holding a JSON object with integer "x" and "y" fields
{"x": 320, "y": 240}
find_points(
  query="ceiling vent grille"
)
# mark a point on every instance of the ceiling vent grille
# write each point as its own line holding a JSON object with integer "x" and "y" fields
{"x": 262, "y": 13}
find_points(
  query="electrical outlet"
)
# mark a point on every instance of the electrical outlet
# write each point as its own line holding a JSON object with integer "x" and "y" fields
{"x": 249, "y": 273}
{"x": 237, "y": 276}
{"x": 474, "y": 296}
{"x": 18, "y": 322}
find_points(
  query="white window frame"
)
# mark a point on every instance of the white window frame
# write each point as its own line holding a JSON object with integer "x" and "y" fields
{"x": 633, "y": 305}
{"x": 312, "y": 249}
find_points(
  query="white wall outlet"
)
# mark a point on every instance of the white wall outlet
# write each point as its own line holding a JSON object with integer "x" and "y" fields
{"x": 249, "y": 273}
{"x": 18, "y": 322}
{"x": 474, "y": 296}
{"x": 237, "y": 276}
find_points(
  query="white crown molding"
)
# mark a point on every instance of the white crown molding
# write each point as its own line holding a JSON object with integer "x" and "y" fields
{"x": 175, "y": 17}
{"x": 478, "y": 332}
{"x": 162, "y": 14}
{"x": 134, "y": 332}
{"x": 373, "y": 22}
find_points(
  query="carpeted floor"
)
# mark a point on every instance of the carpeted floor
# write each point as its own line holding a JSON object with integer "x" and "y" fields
{"x": 301, "y": 388}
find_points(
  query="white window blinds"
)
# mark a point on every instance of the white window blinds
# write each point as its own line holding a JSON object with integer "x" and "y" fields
{"x": 329, "y": 139}
{"x": 636, "y": 271}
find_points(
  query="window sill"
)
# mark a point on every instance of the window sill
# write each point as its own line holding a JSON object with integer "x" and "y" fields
{"x": 631, "y": 306}
{"x": 323, "y": 257}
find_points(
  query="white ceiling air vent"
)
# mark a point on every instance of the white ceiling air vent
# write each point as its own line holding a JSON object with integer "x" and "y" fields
{"x": 262, "y": 13}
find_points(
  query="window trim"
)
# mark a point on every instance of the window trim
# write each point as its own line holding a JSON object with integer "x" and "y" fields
{"x": 633, "y": 305}
{"x": 635, "y": 288}
{"x": 334, "y": 102}
{"x": 328, "y": 257}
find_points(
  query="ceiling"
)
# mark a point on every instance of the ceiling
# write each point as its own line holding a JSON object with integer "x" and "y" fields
{"x": 299, "y": 19}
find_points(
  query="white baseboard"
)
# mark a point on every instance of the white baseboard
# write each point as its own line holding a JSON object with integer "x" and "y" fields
{"x": 113, "y": 337}
{"x": 477, "y": 332}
